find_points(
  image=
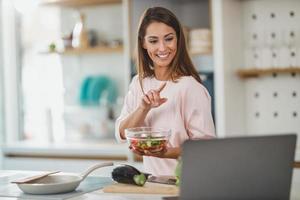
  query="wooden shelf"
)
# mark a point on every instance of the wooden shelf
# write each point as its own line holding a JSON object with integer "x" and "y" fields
{"x": 78, "y": 3}
{"x": 192, "y": 53}
{"x": 254, "y": 72}
{"x": 92, "y": 50}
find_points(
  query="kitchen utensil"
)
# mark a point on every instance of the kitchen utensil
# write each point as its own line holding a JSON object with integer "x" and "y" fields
{"x": 170, "y": 180}
{"x": 60, "y": 183}
{"x": 33, "y": 178}
{"x": 148, "y": 188}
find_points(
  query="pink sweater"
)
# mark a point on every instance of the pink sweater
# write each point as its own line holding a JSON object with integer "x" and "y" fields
{"x": 187, "y": 113}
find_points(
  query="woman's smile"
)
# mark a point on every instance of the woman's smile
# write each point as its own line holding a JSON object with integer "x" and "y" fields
{"x": 163, "y": 55}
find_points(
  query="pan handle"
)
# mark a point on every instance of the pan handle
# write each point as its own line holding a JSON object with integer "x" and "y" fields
{"x": 94, "y": 167}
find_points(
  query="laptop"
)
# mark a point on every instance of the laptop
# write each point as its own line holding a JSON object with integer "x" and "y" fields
{"x": 257, "y": 167}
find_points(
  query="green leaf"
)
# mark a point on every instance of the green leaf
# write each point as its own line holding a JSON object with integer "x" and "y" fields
{"x": 149, "y": 143}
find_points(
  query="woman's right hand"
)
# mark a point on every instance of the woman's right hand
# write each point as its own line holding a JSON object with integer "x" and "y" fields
{"x": 152, "y": 98}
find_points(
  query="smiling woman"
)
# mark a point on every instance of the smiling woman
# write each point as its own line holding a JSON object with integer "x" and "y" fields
{"x": 159, "y": 96}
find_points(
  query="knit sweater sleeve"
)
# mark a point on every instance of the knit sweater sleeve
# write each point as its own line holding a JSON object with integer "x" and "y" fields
{"x": 129, "y": 105}
{"x": 196, "y": 103}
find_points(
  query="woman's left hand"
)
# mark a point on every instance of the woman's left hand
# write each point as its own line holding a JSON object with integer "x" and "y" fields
{"x": 171, "y": 152}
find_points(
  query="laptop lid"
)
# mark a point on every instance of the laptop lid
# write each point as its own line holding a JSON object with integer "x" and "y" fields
{"x": 238, "y": 168}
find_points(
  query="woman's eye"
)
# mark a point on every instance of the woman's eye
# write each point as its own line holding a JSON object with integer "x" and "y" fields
{"x": 169, "y": 39}
{"x": 152, "y": 41}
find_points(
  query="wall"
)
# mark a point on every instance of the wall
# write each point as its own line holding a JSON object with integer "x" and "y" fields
{"x": 242, "y": 30}
{"x": 229, "y": 91}
{"x": 271, "y": 36}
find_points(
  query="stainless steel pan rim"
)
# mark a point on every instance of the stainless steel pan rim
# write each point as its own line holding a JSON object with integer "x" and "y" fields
{"x": 55, "y": 184}
{"x": 59, "y": 179}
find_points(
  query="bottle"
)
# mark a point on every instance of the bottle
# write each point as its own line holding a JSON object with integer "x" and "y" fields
{"x": 80, "y": 34}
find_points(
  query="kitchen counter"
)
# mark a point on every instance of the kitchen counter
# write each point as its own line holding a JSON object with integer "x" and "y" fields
{"x": 96, "y": 195}
{"x": 11, "y": 190}
{"x": 99, "y": 194}
{"x": 104, "y": 149}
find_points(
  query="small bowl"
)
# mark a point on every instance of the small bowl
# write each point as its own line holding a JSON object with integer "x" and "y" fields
{"x": 147, "y": 139}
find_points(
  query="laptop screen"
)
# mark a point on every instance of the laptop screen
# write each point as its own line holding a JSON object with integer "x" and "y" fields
{"x": 238, "y": 168}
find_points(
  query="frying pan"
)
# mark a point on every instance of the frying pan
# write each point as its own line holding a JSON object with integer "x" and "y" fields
{"x": 58, "y": 183}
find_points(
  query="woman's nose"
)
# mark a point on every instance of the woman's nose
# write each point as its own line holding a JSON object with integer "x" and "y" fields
{"x": 162, "y": 46}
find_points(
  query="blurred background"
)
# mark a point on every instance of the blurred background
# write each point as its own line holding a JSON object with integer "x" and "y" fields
{"x": 65, "y": 66}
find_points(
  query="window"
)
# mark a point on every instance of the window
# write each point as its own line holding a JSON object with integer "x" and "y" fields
{"x": 38, "y": 75}
{"x": 1, "y": 87}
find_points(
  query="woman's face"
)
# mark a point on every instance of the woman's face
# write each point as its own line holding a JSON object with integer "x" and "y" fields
{"x": 161, "y": 43}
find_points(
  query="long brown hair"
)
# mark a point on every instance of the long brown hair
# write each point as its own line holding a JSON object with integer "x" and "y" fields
{"x": 182, "y": 64}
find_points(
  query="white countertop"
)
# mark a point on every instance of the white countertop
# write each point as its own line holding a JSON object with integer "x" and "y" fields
{"x": 6, "y": 175}
{"x": 99, "y": 194}
{"x": 104, "y": 148}
{"x": 96, "y": 195}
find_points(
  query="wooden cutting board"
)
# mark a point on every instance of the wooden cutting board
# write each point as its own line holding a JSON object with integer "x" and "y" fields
{"x": 148, "y": 188}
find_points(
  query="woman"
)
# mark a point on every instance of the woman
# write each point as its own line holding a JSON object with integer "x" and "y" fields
{"x": 167, "y": 92}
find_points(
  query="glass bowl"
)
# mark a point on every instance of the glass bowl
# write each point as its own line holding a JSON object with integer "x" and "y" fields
{"x": 147, "y": 139}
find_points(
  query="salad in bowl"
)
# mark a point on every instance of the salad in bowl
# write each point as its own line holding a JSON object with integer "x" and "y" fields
{"x": 147, "y": 140}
